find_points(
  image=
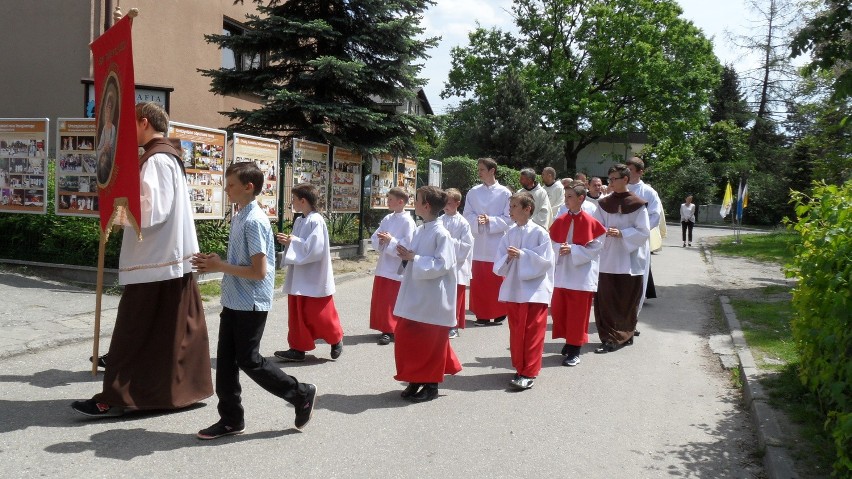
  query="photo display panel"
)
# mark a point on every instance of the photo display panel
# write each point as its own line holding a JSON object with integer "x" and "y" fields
{"x": 266, "y": 154}
{"x": 23, "y": 165}
{"x": 407, "y": 179}
{"x": 204, "y": 153}
{"x": 345, "y": 181}
{"x": 76, "y": 168}
{"x": 310, "y": 165}
{"x": 382, "y": 180}
{"x": 435, "y": 173}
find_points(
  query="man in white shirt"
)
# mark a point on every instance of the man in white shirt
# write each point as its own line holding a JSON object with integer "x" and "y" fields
{"x": 655, "y": 209}
{"x": 555, "y": 191}
{"x": 487, "y": 211}
{"x": 542, "y": 215}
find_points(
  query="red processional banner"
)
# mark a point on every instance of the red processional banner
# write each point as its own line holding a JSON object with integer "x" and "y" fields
{"x": 116, "y": 151}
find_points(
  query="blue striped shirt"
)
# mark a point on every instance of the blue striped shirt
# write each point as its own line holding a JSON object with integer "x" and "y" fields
{"x": 251, "y": 233}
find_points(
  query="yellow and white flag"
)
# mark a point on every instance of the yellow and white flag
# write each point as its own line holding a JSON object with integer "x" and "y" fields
{"x": 727, "y": 201}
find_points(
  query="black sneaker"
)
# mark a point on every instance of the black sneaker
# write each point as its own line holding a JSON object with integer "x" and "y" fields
{"x": 385, "y": 339}
{"x": 92, "y": 408}
{"x": 454, "y": 333}
{"x": 481, "y": 322}
{"x": 304, "y": 412}
{"x": 220, "y": 430}
{"x": 565, "y": 350}
{"x": 292, "y": 355}
{"x": 336, "y": 350}
{"x": 499, "y": 320}
{"x": 101, "y": 361}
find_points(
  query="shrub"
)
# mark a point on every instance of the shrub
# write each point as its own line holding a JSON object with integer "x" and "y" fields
{"x": 821, "y": 300}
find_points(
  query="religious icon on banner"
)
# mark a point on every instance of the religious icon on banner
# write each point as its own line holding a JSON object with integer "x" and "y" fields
{"x": 108, "y": 118}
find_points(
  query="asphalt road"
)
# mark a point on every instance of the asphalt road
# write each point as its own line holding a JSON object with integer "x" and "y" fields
{"x": 663, "y": 407}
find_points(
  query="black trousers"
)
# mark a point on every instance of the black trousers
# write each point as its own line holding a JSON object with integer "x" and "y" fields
{"x": 684, "y": 226}
{"x": 239, "y": 341}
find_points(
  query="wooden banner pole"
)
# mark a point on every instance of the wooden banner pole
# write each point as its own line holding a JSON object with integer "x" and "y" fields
{"x": 99, "y": 289}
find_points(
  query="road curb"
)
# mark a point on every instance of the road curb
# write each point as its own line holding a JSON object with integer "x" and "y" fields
{"x": 770, "y": 438}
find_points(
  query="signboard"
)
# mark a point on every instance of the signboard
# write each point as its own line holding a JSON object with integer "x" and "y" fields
{"x": 436, "y": 169}
{"x": 407, "y": 179}
{"x": 23, "y": 165}
{"x": 266, "y": 154}
{"x": 345, "y": 181}
{"x": 76, "y": 168}
{"x": 382, "y": 180}
{"x": 204, "y": 160}
{"x": 310, "y": 165}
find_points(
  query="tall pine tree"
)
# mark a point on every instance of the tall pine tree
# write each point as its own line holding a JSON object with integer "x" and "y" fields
{"x": 331, "y": 73}
{"x": 727, "y": 102}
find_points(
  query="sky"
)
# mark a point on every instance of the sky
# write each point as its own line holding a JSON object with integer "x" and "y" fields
{"x": 453, "y": 19}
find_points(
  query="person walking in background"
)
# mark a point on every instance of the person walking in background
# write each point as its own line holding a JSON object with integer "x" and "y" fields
{"x": 459, "y": 230}
{"x": 309, "y": 283}
{"x": 395, "y": 229}
{"x": 487, "y": 211}
{"x": 247, "y": 286}
{"x": 687, "y": 219}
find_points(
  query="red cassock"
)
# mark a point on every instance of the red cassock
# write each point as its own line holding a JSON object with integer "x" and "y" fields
{"x": 570, "y": 310}
{"x": 484, "y": 290}
{"x": 460, "y": 306}
{"x": 423, "y": 353}
{"x": 385, "y": 292}
{"x": 527, "y": 326}
{"x": 311, "y": 319}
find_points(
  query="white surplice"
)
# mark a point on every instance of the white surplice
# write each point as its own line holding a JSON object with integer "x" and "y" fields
{"x": 428, "y": 290}
{"x": 492, "y": 201}
{"x": 401, "y": 226}
{"x": 578, "y": 270}
{"x": 168, "y": 230}
{"x": 459, "y": 230}
{"x": 629, "y": 253}
{"x": 556, "y": 195}
{"x": 529, "y": 277}
{"x": 542, "y": 213}
{"x": 308, "y": 258}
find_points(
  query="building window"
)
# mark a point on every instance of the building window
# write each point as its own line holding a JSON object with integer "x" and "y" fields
{"x": 239, "y": 61}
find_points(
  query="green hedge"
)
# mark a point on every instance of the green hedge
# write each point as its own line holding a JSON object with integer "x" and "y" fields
{"x": 822, "y": 301}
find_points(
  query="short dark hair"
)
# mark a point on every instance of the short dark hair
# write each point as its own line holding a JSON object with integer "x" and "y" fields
{"x": 637, "y": 162}
{"x": 525, "y": 198}
{"x": 489, "y": 163}
{"x": 156, "y": 115}
{"x": 306, "y": 191}
{"x": 579, "y": 188}
{"x": 435, "y": 197}
{"x": 399, "y": 192}
{"x": 622, "y": 170}
{"x": 528, "y": 173}
{"x": 247, "y": 172}
{"x": 453, "y": 193}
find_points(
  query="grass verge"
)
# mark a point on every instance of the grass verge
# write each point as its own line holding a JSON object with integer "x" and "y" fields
{"x": 774, "y": 247}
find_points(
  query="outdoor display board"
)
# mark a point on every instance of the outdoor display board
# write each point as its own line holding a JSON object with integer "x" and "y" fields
{"x": 407, "y": 179}
{"x": 310, "y": 165}
{"x": 382, "y": 180}
{"x": 266, "y": 154}
{"x": 76, "y": 168}
{"x": 204, "y": 155}
{"x": 23, "y": 165}
{"x": 345, "y": 181}
{"x": 436, "y": 170}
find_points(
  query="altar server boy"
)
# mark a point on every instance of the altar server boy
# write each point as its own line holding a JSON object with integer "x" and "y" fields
{"x": 525, "y": 260}
{"x": 462, "y": 237}
{"x": 426, "y": 306}
{"x": 577, "y": 241}
{"x": 395, "y": 229}
{"x": 309, "y": 283}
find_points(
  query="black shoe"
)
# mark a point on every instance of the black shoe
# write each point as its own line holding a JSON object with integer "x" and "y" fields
{"x": 304, "y": 412}
{"x": 499, "y": 320}
{"x": 292, "y": 355}
{"x": 410, "y": 390}
{"x": 220, "y": 430}
{"x": 428, "y": 393}
{"x": 101, "y": 361}
{"x": 90, "y": 407}
{"x": 481, "y": 322}
{"x": 571, "y": 360}
{"x": 606, "y": 347}
{"x": 629, "y": 342}
{"x": 565, "y": 350}
{"x": 636, "y": 332}
{"x": 336, "y": 349}
{"x": 385, "y": 339}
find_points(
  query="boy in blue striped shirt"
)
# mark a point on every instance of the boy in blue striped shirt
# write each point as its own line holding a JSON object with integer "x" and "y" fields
{"x": 247, "y": 286}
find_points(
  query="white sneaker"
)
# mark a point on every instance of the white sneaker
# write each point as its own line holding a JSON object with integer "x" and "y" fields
{"x": 454, "y": 333}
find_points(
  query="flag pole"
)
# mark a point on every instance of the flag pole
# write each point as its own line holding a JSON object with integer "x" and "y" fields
{"x": 99, "y": 289}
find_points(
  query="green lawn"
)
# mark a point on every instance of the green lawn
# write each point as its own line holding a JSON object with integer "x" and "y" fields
{"x": 769, "y": 247}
